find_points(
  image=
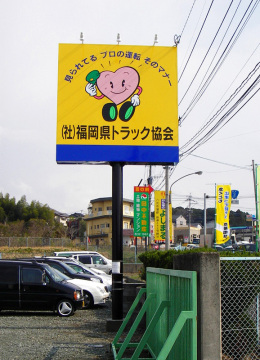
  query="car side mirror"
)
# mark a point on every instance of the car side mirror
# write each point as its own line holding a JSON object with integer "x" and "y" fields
{"x": 45, "y": 279}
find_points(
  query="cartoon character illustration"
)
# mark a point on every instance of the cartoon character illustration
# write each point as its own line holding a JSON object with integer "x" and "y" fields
{"x": 117, "y": 86}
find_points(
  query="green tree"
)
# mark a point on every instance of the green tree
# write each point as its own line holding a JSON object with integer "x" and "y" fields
{"x": 22, "y": 208}
{"x": 2, "y": 215}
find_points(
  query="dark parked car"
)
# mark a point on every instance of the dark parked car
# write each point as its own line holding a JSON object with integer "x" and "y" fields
{"x": 67, "y": 270}
{"x": 26, "y": 285}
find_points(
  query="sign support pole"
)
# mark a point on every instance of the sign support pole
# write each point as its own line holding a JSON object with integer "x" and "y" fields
{"x": 117, "y": 241}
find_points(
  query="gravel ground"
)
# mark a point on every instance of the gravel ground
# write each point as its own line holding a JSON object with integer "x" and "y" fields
{"x": 46, "y": 336}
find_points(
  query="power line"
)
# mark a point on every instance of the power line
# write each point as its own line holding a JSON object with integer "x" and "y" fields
{"x": 222, "y": 22}
{"x": 187, "y": 18}
{"x": 213, "y": 131}
{"x": 220, "y": 162}
{"x": 238, "y": 89}
{"x": 228, "y": 48}
{"x": 197, "y": 39}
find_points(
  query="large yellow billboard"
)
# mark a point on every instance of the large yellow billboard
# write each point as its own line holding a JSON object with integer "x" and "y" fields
{"x": 117, "y": 103}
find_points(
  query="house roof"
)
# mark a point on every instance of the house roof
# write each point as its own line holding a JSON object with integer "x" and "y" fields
{"x": 175, "y": 217}
{"x": 107, "y": 199}
{"x": 58, "y": 213}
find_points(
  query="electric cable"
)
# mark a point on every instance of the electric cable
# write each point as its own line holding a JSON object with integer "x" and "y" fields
{"x": 248, "y": 167}
{"x": 205, "y": 56}
{"x": 197, "y": 39}
{"x": 187, "y": 18}
{"x": 232, "y": 96}
{"x": 225, "y": 53}
{"x": 217, "y": 127}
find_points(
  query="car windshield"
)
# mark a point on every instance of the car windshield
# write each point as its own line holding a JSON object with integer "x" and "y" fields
{"x": 56, "y": 275}
{"x": 75, "y": 267}
{"x": 69, "y": 269}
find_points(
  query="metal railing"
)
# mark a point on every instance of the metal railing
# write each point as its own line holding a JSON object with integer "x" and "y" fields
{"x": 171, "y": 319}
{"x": 240, "y": 310}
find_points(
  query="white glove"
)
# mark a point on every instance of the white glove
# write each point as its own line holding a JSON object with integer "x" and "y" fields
{"x": 91, "y": 89}
{"x": 135, "y": 100}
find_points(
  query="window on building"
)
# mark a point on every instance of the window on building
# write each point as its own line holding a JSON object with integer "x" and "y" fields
{"x": 97, "y": 226}
{"x": 100, "y": 209}
{"x": 102, "y": 226}
{"x": 107, "y": 225}
{"x": 125, "y": 225}
{"x": 109, "y": 207}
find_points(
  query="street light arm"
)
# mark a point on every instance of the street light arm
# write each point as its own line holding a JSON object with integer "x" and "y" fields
{"x": 194, "y": 173}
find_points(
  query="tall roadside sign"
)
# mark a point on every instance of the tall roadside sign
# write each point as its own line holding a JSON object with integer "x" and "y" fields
{"x": 141, "y": 210}
{"x": 117, "y": 105}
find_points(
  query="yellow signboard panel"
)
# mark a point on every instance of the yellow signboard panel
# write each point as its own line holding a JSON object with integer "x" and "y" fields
{"x": 160, "y": 217}
{"x": 223, "y": 204}
{"x": 117, "y": 103}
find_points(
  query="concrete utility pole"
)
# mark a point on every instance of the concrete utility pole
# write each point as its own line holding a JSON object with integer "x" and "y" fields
{"x": 150, "y": 181}
{"x": 167, "y": 238}
{"x": 256, "y": 207}
{"x": 189, "y": 199}
{"x": 205, "y": 220}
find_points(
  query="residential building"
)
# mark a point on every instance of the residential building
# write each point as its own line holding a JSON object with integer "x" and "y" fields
{"x": 99, "y": 220}
{"x": 182, "y": 230}
{"x": 61, "y": 217}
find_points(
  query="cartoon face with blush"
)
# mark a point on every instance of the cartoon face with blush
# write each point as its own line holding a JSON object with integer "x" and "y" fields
{"x": 118, "y": 86}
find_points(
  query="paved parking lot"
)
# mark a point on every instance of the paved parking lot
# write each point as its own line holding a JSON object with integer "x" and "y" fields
{"x": 46, "y": 336}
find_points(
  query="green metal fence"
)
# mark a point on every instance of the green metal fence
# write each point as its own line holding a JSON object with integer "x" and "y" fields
{"x": 171, "y": 318}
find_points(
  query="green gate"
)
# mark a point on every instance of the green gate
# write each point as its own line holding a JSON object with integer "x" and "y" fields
{"x": 171, "y": 318}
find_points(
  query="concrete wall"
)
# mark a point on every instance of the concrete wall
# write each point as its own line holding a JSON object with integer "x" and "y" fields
{"x": 207, "y": 266}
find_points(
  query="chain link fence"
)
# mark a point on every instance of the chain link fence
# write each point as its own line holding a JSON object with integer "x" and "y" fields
{"x": 34, "y": 242}
{"x": 240, "y": 310}
{"x": 11, "y": 246}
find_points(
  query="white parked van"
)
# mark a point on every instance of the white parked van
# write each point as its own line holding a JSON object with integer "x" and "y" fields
{"x": 89, "y": 258}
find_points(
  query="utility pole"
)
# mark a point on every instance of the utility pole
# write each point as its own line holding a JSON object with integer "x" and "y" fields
{"x": 189, "y": 199}
{"x": 256, "y": 207}
{"x": 205, "y": 220}
{"x": 167, "y": 240}
{"x": 150, "y": 181}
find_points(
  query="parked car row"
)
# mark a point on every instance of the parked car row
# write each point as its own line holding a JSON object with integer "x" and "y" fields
{"x": 61, "y": 284}
{"x": 90, "y": 258}
{"x": 238, "y": 247}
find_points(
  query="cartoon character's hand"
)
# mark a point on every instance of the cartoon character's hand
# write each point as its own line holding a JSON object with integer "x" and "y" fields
{"x": 135, "y": 100}
{"x": 91, "y": 89}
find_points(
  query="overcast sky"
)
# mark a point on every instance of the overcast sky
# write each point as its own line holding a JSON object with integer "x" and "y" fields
{"x": 30, "y": 33}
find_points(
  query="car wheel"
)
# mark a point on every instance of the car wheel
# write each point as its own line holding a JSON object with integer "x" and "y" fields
{"x": 88, "y": 300}
{"x": 65, "y": 308}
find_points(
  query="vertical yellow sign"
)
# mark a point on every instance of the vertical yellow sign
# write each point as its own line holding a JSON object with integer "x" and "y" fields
{"x": 159, "y": 217}
{"x": 223, "y": 204}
